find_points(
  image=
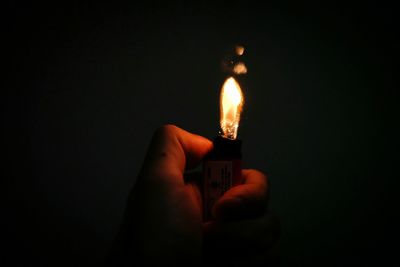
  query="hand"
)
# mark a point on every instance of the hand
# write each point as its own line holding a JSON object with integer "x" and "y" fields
{"x": 244, "y": 232}
{"x": 163, "y": 219}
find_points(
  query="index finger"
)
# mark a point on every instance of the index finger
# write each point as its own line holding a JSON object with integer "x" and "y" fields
{"x": 171, "y": 151}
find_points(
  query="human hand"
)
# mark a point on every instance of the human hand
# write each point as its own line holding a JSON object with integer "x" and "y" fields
{"x": 243, "y": 233}
{"x": 163, "y": 219}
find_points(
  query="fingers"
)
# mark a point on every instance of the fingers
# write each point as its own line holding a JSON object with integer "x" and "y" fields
{"x": 244, "y": 201}
{"x": 171, "y": 151}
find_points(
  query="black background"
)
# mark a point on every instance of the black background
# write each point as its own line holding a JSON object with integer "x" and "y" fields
{"x": 86, "y": 84}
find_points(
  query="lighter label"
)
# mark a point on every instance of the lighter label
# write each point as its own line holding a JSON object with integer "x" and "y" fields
{"x": 218, "y": 180}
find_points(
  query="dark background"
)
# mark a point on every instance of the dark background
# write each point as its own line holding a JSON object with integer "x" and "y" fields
{"x": 86, "y": 85}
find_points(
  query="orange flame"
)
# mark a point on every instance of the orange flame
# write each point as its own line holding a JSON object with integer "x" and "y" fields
{"x": 231, "y": 107}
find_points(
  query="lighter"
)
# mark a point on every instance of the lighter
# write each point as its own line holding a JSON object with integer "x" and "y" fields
{"x": 222, "y": 166}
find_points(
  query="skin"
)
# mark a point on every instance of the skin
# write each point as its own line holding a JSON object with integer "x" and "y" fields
{"x": 163, "y": 218}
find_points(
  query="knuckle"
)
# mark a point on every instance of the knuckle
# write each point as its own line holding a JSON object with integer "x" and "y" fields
{"x": 259, "y": 173}
{"x": 263, "y": 176}
{"x": 166, "y": 130}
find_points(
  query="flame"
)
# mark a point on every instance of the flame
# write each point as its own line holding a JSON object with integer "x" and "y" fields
{"x": 240, "y": 68}
{"x": 231, "y": 107}
{"x": 239, "y": 50}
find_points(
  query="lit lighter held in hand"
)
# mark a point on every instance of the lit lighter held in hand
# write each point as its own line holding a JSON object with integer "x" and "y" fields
{"x": 222, "y": 166}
